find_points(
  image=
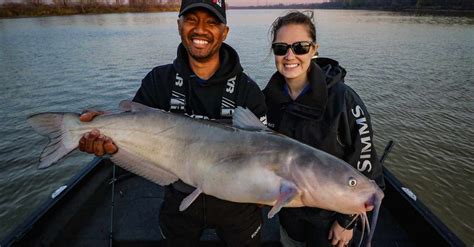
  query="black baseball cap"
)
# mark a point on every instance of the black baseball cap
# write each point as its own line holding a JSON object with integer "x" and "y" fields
{"x": 216, "y": 7}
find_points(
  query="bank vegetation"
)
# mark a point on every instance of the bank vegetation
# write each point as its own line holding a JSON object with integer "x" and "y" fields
{"x": 29, "y": 8}
{"x": 433, "y": 4}
{"x": 442, "y": 5}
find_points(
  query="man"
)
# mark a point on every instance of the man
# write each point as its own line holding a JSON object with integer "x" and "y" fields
{"x": 205, "y": 80}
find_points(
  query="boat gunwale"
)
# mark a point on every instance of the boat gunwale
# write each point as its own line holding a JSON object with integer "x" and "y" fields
{"x": 392, "y": 184}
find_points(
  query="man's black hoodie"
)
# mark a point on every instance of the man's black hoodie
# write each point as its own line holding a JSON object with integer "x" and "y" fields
{"x": 203, "y": 97}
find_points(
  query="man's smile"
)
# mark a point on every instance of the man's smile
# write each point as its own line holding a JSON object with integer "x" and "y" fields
{"x": 200, "y": 42}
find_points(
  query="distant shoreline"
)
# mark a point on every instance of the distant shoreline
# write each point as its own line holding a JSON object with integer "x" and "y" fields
{"x": 18, "y": 10}
{"x": 423, "y": 10}
{"x": 15, "y": 10}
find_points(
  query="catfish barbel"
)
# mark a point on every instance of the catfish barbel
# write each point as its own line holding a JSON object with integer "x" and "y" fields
{"x": 245, "y": 163}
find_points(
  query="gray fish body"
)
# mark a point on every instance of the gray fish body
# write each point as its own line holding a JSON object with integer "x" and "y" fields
{"x": 227, "y": 162}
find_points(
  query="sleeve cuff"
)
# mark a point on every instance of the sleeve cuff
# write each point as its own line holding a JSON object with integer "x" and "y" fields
{"x": 346, "y": 221}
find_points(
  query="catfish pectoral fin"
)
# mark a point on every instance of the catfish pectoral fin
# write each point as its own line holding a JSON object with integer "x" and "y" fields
{"x": 189, "y": 199}
{"x": 288, "y": 191}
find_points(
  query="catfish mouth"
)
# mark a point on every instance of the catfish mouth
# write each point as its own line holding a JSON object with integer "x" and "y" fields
{"x": 370, "y": 203}
{"x": 375, "y": 198}
{"x": 373, "y": 203}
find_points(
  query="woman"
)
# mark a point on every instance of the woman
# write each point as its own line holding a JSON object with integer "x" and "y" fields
{"x": 308, "y": 100}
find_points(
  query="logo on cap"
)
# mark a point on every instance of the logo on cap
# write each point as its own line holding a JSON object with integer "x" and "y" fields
{"x": 218, "y": 2}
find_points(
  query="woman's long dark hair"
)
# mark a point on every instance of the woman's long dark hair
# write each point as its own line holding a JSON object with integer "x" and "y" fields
{"x": 294, "y": 17}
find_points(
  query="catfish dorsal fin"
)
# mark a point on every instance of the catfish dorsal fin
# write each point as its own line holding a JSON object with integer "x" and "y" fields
{"x": 128, "y": 105}
{"x": 243, "y": 118}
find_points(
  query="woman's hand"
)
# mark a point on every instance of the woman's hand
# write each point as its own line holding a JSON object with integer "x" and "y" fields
{"x": 339, "y": 236}
{"x": 93, "y": 142}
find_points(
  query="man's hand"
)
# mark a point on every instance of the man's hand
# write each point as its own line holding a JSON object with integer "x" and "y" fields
{"x": 94, "y": 142}
{"x": 340, "y": 237}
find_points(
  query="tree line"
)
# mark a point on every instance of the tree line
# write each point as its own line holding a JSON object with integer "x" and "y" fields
{"x": 404, "y": 3}
{"x": 378, "y": 4}
{"x": 103, "y": 2}
{"x": 70, "y": 7}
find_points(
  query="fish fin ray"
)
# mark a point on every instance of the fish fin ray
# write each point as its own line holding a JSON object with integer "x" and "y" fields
{"x": 288, "y": 191}
{"x": 186, "y": 202}
{"x": 243, "y": 118}
{"x": 59, "y": 145}
{"x": 143, "y": 167}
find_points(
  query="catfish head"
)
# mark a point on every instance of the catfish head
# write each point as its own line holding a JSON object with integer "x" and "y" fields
{"x": 324, "y": 181}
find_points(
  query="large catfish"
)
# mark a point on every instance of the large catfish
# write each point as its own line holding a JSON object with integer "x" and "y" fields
{"x": 245, "y": 162}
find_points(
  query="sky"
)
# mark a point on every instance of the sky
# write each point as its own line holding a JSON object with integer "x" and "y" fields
{"x": 267, "y": 2}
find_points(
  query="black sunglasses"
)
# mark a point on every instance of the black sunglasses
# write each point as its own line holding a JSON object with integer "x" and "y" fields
{"x": 299, "y": 48}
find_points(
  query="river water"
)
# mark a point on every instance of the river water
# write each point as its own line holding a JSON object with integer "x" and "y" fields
{"x": 414, "y": 73}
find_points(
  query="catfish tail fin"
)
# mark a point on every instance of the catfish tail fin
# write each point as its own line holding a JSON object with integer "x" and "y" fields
{"x": 54, "y": 126}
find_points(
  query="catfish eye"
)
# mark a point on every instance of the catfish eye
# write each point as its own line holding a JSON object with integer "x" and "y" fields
{"x": 352, "y": 182}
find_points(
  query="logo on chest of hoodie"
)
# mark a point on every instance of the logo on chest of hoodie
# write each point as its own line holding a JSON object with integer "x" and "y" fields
{"x": 179, "y": 80}
{"x": 231, "y": 85}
